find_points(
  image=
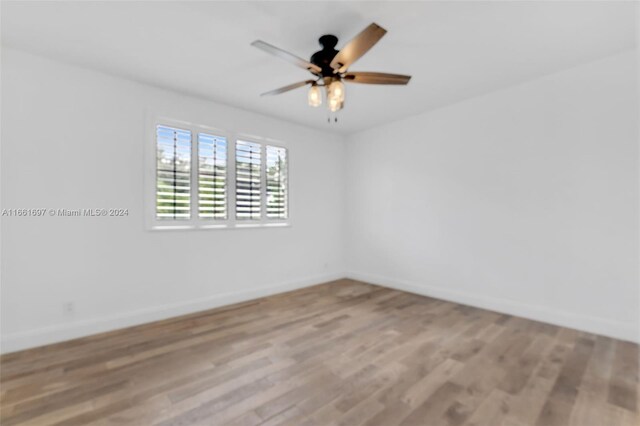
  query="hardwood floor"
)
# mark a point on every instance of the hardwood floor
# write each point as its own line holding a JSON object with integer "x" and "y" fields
{"x": 342, "y": 353}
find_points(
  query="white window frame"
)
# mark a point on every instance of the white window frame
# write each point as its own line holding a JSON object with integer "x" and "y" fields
{"x": 195, "y": 222}
{"x": 264, "y": 220}
{"x": 264, "y": 195}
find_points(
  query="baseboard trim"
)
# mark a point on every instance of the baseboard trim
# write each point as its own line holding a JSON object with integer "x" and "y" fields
{"x": 61, "y": 332}
{"x": 602, "y": 326}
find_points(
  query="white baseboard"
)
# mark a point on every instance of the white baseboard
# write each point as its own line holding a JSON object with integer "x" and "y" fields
{"x": 57, "y": 333}
{"x": 603, "y": 326}
{"x": 60, "y": 332}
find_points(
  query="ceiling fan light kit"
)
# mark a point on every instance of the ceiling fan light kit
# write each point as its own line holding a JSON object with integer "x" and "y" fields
{"x": 334, "y": 105}
{"x": 315, "y": 95}
{"x": 335, "y": 90}
{"x": 330, "y": 67}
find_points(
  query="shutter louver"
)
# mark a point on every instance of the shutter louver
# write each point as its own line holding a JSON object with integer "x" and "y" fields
{"x": 212, "y": 177}
{"x": 173, "y": 173}
{"x": 248, "y": 180}
{"x": 277, "y": 191}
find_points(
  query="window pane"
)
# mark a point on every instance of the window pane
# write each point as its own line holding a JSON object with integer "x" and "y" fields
{"x": 173, "y": 173}
{"x": 212, "y": 176}
{"x": 248, "y": 191}
{"x": 277, "y": 203}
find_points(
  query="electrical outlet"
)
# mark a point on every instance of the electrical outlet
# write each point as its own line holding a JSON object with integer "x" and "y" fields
{"x": 69, "y": 308}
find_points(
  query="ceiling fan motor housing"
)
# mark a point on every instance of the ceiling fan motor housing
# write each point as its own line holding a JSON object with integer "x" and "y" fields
{"x": 323, "y": 58}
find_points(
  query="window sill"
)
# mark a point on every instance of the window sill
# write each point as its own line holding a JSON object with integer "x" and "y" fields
{"x": 219, "y": 226}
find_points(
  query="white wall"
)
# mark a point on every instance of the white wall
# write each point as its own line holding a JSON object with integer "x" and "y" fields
{"x": 523, "y": 201}
{"x": 74, "y": 138}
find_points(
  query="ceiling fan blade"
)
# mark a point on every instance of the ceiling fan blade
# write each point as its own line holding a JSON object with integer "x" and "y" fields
{"x": 289, "y": 57}
{"x": 357, "y": 47}
{"x": 364, "y": 77}
{"x": 287, "y": 88}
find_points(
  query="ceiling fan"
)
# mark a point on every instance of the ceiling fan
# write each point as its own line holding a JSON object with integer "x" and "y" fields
{"x": 330, "y": 67}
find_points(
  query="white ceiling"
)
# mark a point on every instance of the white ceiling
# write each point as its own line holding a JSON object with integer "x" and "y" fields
{"x": 454, "y": 50}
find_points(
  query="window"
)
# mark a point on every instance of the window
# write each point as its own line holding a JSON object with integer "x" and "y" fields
{"x": 173, "y": 173}
{"x": 212, "y": 177}
{"x": 248, "y": 180}
{"x": 276, "y": 182}
{"x": 238, "y": 182}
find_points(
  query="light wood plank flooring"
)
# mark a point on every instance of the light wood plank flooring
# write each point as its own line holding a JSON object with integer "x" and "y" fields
{"x": 342, "y": 353}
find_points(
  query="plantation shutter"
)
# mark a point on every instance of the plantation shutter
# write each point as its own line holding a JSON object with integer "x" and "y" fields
{"x": 277, "y": 191}
{"x": 248, "y": 185}
{"x": 212, "y": 176}
{"x": 173, "y": 170}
